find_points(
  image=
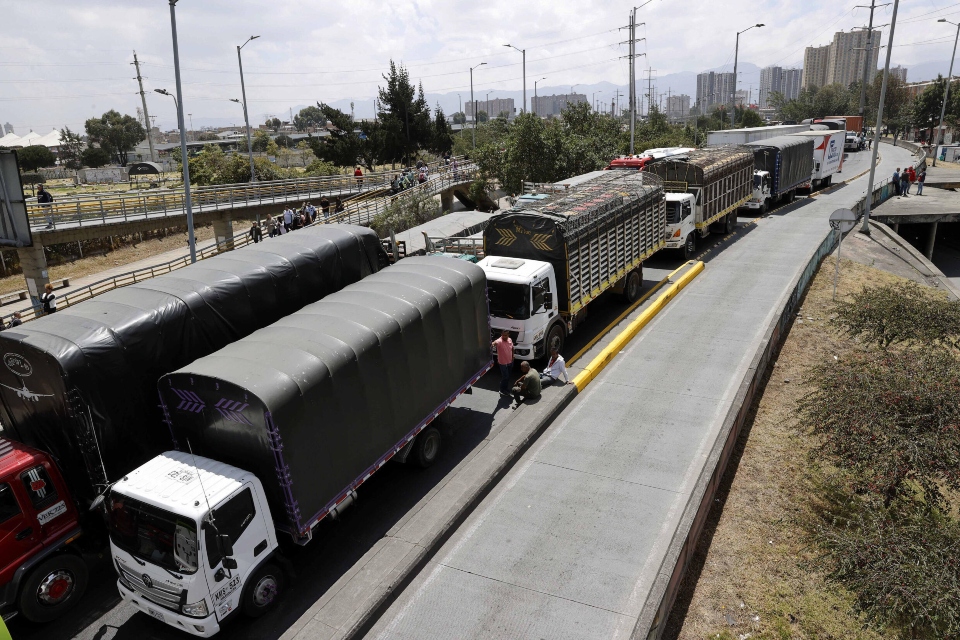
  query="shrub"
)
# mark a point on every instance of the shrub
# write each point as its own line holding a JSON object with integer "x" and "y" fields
{"x": 32, "y": 178}
{"x": 406, "y": 211}
{"x": 893, "y": 419}
{"x": 902, "y": 563}
{"x": 904, "y": 313}
{"x": 94, "y": 157}
{"x": 320, "y": 168}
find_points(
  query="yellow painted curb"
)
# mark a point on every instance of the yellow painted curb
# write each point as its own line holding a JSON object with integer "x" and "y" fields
{"x": 611, "y": 350}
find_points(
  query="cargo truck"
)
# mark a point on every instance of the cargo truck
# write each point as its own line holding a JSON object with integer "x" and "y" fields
{"x": 704, "y": 191}
{"x": 782, "y": 164}
{"x": 80, "y": 386}
{"x": 278, "y": 430}
{"x": 827, "y": 157}
{"x": 552, "y": 254}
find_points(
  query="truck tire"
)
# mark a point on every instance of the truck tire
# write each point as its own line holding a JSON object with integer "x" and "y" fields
{"x": 690, "y": 247}
{"x": 556, "y": 337}
{"x": 826, "y": 182}
{"x": 426, "y": 447}
{"x": 631, "y": 288}
{"x": 731, "y": 223}
{"x": 263, "y": 589}
{"x": 52, "y": 587}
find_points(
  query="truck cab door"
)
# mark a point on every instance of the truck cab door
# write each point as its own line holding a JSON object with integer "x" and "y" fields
{"x": 50, "y": 510}
{"x": 239, "y": 518}
{"x": 19, "y": 533}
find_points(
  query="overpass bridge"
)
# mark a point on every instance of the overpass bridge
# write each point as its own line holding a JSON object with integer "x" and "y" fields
{"x": 99, "y": 216}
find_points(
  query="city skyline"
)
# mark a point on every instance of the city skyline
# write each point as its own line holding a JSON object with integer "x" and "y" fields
{"x": 331, "y": 60}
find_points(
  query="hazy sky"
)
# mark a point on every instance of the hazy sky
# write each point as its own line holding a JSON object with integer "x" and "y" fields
{"x": 64, "y": 61}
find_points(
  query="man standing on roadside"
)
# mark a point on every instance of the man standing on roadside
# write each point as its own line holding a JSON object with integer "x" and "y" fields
{"x": 896, "y": 181}
{"x": 920, "y": 180}
{"x": 504, "y": 348}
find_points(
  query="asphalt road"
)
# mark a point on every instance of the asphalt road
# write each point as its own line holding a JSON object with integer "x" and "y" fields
{"x": 383, "y": 500}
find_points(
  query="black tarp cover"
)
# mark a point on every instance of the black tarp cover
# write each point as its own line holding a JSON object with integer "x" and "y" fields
{"x": 328, "y": 392}
{"x": 98, "y": 362}
{"x": 789, "y": 159}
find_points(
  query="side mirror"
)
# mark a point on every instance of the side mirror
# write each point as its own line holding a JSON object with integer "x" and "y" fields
{"x": 225, "y": 544}
{"x": 229, "y": 563}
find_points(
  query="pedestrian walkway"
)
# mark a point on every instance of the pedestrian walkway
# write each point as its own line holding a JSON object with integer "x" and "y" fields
{"x": 582, "y": 537}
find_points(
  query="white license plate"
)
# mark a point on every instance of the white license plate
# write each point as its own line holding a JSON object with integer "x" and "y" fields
{"x": 156, "y": 614}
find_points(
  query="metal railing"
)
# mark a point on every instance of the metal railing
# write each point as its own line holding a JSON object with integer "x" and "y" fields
{"x": 468, "y": 246}
{"x": 99, "y": 209}
{"x": 363, "y": 210}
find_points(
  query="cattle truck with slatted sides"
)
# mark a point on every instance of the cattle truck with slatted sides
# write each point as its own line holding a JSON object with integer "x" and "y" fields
{"x": 283, "y": 427}
{"x": 80, "y": 386}
{"x": 554, "y": 253}
{"x": 704, "y": 189}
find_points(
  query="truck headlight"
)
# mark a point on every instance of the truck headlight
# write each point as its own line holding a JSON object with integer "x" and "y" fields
{"x": 195, "y": 610}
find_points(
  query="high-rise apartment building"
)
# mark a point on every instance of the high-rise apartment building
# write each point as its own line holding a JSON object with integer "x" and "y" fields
{"x": 899, "y": 72}
{"x": 714, "y": 88}
{"x": 778, "y": 80}
{"x": 492, "y": 107}
{"x": 842, "y": 61}
{"x": 7, "y": 128}
{"x": 553, "y": 105}
{"x": 678, "y": 106}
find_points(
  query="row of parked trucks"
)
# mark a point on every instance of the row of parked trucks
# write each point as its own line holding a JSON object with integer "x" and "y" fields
{"x": 192, "y": 420}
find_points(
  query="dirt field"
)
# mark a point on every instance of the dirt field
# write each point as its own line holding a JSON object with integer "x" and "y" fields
{"x": 124, "y": 255}
{"x": 752, "y": 576}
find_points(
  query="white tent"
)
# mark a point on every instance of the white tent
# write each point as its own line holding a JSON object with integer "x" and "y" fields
{"x": 10, "y": 140}
{"x": 51, "y": 140}
{"x": 29, "y": 139}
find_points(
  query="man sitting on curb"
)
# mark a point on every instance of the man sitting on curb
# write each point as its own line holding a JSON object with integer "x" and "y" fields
{"x": 528, "y": 386}
{"x": 555, "y": 368}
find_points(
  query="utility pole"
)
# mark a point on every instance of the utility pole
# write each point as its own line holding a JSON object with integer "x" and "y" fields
{"x": 632, "y": 55}
{"x": 736, "y": 55}
{"x": 146, "y": 114}
{"x": 246, "y": 118}
{"x": 868, "y": 55}
{"x": 191, "y": 238}
{"x": 865, "y": 227}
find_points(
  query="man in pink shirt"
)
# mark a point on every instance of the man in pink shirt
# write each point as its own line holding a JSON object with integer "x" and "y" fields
{"x": 504, "y": 347}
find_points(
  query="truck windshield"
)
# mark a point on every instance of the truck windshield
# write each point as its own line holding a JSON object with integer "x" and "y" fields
{"x": 153, "y": 534}
{"x": 509, "y": 300}
{"x": 673, "y": 212}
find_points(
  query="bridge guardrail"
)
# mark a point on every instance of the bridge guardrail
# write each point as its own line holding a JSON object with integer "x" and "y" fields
{"x": 98, "y": 209}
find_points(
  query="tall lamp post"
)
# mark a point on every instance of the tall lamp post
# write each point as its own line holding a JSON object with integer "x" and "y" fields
{"x": 524, "y": 52}
{"x": 474, "y": 105}
{"x": 178, "y": 101}
{"x": 736, "y": 53}
{"x": 946, "y": 91}
{"x": 533, "y": 109}
{"x": 243, "y": 92}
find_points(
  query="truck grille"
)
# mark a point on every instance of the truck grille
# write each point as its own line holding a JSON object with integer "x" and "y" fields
{"x": 167, "y": 598}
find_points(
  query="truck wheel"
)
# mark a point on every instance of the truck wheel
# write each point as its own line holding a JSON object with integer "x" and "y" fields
{"x": 631, "y": 288}
{"x": 53, "y": 587}
{"x": 557, "y": 334}
{"x": 764, "y": 208}
{"x": 690, "y": 247}
{"x": 731, "y": 223}
{"x": 263, "y": 589}
{"x": 426, "y": 448}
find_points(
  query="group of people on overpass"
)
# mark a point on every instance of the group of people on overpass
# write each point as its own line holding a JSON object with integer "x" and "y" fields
{"x": 292, "y": 219}
{"x": 902, "y": 181}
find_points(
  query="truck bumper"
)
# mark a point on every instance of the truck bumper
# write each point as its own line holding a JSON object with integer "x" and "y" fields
{"x": 201, "y": 627}
{"x": 753, "y": 205}
{"x": 523, "y": 351}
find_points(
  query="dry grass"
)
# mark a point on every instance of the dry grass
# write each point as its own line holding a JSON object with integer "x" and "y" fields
{"x": 757, "y": 568}
{"x": 126, "y": 254}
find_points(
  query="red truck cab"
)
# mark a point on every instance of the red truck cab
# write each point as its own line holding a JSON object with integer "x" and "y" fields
{"x": 42, "y": 573}
{"x": 637, "y": 163}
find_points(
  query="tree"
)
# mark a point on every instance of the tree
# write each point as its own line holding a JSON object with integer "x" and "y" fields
{"x": 442, "y": 138}
{"x": 746, "y": 117}
{"x": 482, "y": 116}
{"x": 404, "y": 114}
{"x": 342, "y": 146}
{"x": 117, "y": 134}
{"x": 213, "y": 166}
{"x": 71, "y": 149}
{"x": 284, "y": 141}
{"x": 261, "y": 139}
{"x": 274, "y": 124}
{"x": 94, "y": 157}
{"x": 459, "y": 118}
{"x": 309, "y": 117}
{"x": 35, "y": 157}
{"x": 208, "y": 136}
{"x": 896, "y": 102}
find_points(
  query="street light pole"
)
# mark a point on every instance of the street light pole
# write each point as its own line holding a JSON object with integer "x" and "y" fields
{"x": 524, "y": 53}
{"x": 733, "y": 101}
{"x": 243, "y": 91}
{"x": 474, "y": 105}
{"x": 946, "y": 90}
{"x": 191, "y": 239}
{"x": 865, "y": 227}
{"x": 533, "y": 108}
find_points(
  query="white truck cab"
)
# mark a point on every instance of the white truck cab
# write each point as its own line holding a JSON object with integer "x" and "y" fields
{"x": 192, "y": 541}
{"x": 762, "y": 181}
{"x": 522, "y": 294}
{"x": 681, "y": 222}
